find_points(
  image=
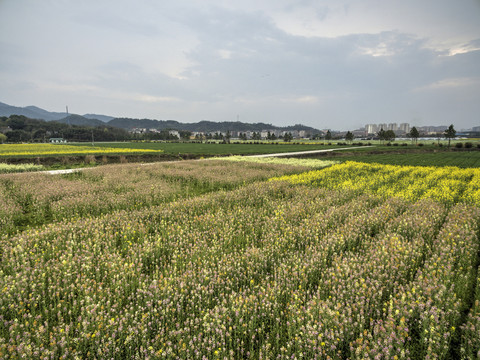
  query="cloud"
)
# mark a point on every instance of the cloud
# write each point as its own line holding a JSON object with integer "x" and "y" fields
{"x": 349, "y": 62}
{"x": 266, "y": 61}
{"x": 451, "y": 83}
{"x": 471, "y": 46}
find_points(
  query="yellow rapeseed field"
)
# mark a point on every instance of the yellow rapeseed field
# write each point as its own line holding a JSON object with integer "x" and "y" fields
{"x": 51, "y": 149}
{"x": 445, "y": 184}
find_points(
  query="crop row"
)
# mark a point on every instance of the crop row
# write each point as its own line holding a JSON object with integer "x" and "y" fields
{"x": 34, "y": 198}
{"x": 11, "y": 168}
{"x": 51, "y": 149}
{"x": 448, "y": 185}
{"x": 268, "y": 271}
{"x": 309, "y": 163}
{"x": 462, "y": 159}
{"x": 470, "y": 344}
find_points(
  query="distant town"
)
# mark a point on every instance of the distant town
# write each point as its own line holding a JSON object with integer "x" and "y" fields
{"x": 370, "y": 131}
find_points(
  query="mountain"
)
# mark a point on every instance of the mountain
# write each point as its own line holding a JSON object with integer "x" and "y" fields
{"x": 81, "y": 121}
{"x": 103, "y": 118}
{"x": 127, "y": 123}
{"x": 34, "y": 112}
{"x": 31, "y": 112}
{"x": 44, "y": 114}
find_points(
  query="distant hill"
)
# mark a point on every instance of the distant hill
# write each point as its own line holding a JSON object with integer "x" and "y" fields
{"x": 31, "y": 112}
{"x": 34, "y": 112}
{"x": 103, "y": 118}
{"x": 127, "y": 123}
{"x": 46, "y": 115}
{"x": 81, "y": 121}
{"x": 202, "y": 126}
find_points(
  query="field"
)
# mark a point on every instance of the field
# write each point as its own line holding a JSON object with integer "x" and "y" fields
{"x": 464, "y": 159}
{"x": 72, "y": 155}
{"x": 37, "y": 198}
{"x": 448, "y": 185}
{"x": 222, "y": 259}
{"x": 29, "y": 150}
{"x": 209, "y": 149}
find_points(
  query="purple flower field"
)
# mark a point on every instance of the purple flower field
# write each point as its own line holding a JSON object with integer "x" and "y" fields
{"x": 141, "y": 263}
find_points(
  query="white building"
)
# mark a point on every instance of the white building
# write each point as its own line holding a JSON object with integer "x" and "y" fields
{"x": 371, "y": 128}
{"x": 404, "y": 127}
{"x": 375, "y": 128}
{"x": 392, "y": 126}
{"x": 57, "y": 140}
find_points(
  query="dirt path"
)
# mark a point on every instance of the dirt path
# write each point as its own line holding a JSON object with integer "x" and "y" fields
{"x": 63, "y": 171}
{"x": 308, "y": 152}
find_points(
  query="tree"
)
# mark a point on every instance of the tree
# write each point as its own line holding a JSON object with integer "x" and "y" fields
{"x": 288, "y": 137}
{"x": 17, "y": 122}
{"x": 381, "y": 135}
{"x": 17, "y": 136}
{"x": 450, "y": 134}
{"x": 349, "y": 137}
{"x": 39, "y": 135}
{"x": 3, "y": 138}
{"x": 389, "y": 135}
{"x": 271, "y": 136}
{"x": 185, "y": 135}
{"x": 328, "y": 135}
{"x": 414, "y": 134}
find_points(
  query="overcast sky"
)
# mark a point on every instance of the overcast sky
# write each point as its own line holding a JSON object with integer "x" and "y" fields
{"x": 336, "y": 64}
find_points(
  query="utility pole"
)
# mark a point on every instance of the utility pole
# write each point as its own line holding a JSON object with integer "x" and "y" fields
{"x": 68, "y": 120}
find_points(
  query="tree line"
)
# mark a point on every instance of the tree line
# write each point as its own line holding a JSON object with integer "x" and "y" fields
{"x": 449, "y": 134}
{"x": 19, "y": 128}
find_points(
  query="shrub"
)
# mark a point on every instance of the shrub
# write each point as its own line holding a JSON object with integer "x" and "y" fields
{"x": 420, "y": 144}
{"x": 90, "y": 159}
{"x": 468, "y": 145}
{"x": 459, "y": 145}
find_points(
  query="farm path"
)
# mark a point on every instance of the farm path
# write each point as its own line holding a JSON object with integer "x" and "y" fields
{"x": 307, "y": 152}
{"x": 63, "y": 171}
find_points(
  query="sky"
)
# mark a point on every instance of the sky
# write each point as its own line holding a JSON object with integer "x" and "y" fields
{"x": 329, "y": 64}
